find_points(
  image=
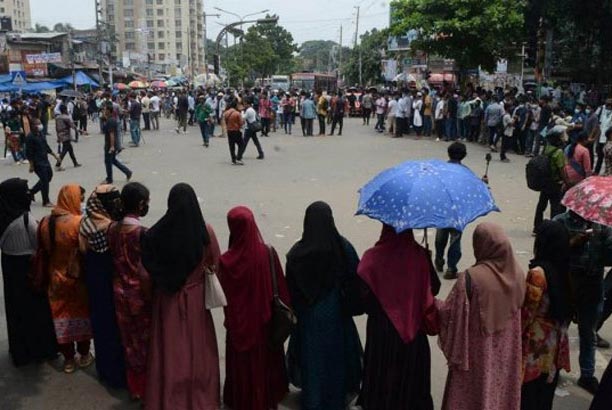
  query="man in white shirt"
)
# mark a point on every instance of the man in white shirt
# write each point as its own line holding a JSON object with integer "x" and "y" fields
{"x": 155, "y": 102}
{"x": 191, "y": 101}
{"x": 604, "y": 116}
{"x": 391, "y": 113}
{"x": 145, "y": 102}
{"x": 400, "y": 116}
{"x": 439, "y": 117}
{"x": 250, "y": 117}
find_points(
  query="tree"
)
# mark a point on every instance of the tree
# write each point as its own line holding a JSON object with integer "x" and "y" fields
{"x": 320, "y": 56}
{"x": 63, "y": 28}
{"x": 369, "y": 51}
{"x": 281, "y": 43}
{"x": 39, "y": 28}
{"x": 472, "y": 32}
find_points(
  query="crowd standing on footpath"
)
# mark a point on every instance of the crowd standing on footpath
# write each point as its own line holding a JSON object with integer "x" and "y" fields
{"x": 102, "y": 276}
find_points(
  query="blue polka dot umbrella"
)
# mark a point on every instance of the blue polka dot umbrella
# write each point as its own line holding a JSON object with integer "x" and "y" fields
{"x": 426, "y": 194}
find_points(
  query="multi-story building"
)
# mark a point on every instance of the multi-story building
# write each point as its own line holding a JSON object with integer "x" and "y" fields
{"x": 19, "y": 13}
{"x": 157, "y": 34}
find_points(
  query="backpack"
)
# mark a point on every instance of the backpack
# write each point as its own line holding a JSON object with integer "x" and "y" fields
{"x": 76, "y": 112}
{"x": 538, "y": 173}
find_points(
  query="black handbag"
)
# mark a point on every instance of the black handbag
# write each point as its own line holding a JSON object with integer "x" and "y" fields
{"x": 255, "y": 126}
{"x": 283, "y": 319}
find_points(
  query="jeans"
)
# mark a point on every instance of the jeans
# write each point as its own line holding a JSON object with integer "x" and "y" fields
{"x": 110, "y": 159}
{"x": 287, "y": 122}
{"x": 380, "y": 122}
{"x": 337, "y": 120}
{"x": 67, "y": 149}
{"x": 321, "y": 124}
{"x": 463, "y": 128}
{"x": 248, "y": 135}
{"x": 265, "y": 126}
{"x": 506, "y": 143}
{"x": 234, "y": 139}
{"x": 440, "y": 129}
{"x": 493, "y": 135}
{"x": 454, "y": 249}
{"x": 367, "y": 113}
{"x": 205, "y": 131}
{"x": 427, "y": 125}
{"x": 529, "y": 140}
{"x": 554, "y": 197}
{"x": 474, "y": 131}
{"x": 309, "y": 123}
{"x": 146, "y": 117}
{"x": 303, "y": 124}
{"x": 588, "y": 312}
{"x": 135, "y": 131}
{"x": 538, "y": 142}
{"x": 155, "y": 119}
{"x": 45, "y": 175}
{"x": 451, "y": 128}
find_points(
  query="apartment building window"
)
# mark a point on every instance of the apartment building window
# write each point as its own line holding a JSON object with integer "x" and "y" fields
{"x": 110, "y": 8}
{"x": 160, "y": 23}
{"x": 150, "y": 24}
{"x": 151, "y": 46}
{"x": 178, "y": 23}
{"x": 129, "y": 35}
{"x": 149, "y": 12}
{"x": 129, "y": 2}
{"x": 128, "y": 13}
{"x": 178, "y": 34}
{"x": 177, "y": 11}
{"x": 130, "y": 46}
{"x": 160, "y": 12}
{"x": 161, "y": 57}
{"x": 179, "y": 46}
{"x": 161, "y": 45}
{"x": 160, "y": 2}
{"x": 149, "y": 2}
{"x": 160, "y": 34}
{"x": 1, "y": 9}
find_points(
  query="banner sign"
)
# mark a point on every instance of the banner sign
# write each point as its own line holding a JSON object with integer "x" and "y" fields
{"x": 43, "y": 58}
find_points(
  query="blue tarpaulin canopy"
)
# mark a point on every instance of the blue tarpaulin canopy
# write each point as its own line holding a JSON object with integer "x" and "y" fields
{"x": 5, "y": 78}
{"x": 81, "y": 79}
{"x": 41, "y": 86}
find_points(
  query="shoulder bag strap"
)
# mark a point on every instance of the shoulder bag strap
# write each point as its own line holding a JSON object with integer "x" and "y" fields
{"x": 273, "y": 270}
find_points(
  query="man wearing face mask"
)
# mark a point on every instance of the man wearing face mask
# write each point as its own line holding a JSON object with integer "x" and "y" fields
{"x": 604, "y": 116}
{"x": 37, "y": 151}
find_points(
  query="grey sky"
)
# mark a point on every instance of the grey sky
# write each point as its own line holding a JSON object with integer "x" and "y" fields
{"x": 311, "y": 20}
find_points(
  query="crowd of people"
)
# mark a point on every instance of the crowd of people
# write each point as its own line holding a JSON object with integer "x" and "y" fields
{"x": 139, "y": 295}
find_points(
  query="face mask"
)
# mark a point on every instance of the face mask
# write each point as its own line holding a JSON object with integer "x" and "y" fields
{"x": 576, "y": 111}
{"x": 588, "y": 112}
{"x": 39, "y": 127}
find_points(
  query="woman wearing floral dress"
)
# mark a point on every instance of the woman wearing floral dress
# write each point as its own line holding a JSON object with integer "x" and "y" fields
{"x": 607, "y": 150}
{"x": 545, "y": 315}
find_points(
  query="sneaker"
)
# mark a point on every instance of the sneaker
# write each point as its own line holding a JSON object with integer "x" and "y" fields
{"x": 450, "y": 275}
{"x": 129, "y": 176}
{"x": 505, "y": 160}
{"x": 493, "y": 149}
{"x": 69, "y": 366}
{"x": 78, "y": 165}
{"x": 237, "y": 163}
{"x": 86, "y": 361}
{"x": 602, "y": 343}
{"x": 49, "y": 205}
{"x": 437, "y": 139}
{"x": 178, "y": 131}
{"x": 260, "y": 157}
{"x": 59, "y": 169}
{"x": 590, "y": 384}
{"x": 439, "y": 266}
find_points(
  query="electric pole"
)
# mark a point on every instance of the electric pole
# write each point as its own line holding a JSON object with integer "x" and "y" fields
{"x": 340, "y": 56}
{"x": 356, "y": 39}
{"x": 99, "y": 42}
{"x": 206, "y": 43}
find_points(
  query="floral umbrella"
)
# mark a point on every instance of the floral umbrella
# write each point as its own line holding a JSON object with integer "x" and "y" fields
{"x": 121, "y": 86}
{"x": 592, "y": 199}
{"x": 159, "y": 84}
{"x": 138, "y": 84}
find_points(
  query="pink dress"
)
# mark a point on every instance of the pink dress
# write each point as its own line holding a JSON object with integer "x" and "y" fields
{"x": 484, "y": 371}
{"x": 183, "y": 371}
{"x": 581, "y": 160}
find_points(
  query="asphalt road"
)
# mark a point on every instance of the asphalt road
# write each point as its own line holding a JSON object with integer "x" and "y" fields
{"x": 296, "y": 171}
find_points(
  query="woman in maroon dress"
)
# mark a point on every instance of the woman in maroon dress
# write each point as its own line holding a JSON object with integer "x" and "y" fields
{"x": 183, "y": 370}
{"x": 256, "y": 378}
{"x": 132, "y": 285}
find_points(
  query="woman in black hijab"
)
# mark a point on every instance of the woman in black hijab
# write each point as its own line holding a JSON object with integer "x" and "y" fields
{"x": 324, "y": 350}
{"x": 546, "y": 315}
{"x": 28, "y": 317}
{"x": 183, "y": 362}
{"x": 174, "y": 246}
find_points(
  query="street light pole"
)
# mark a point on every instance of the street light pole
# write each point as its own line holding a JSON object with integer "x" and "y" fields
{"x": 206, "y": 43}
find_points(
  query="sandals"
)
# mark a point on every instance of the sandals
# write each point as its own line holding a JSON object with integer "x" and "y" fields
{"x": 86, "y": 361}
{"x": 69, "y": 366}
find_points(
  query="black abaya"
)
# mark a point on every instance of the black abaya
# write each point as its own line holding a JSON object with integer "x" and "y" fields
{"x": 28, "y": 316}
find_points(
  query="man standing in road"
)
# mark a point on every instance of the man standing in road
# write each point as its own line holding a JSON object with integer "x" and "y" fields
{"x": 135, "y": 110}
{"x": 338, "y": 109}
{"x": 145, "y": 101}
{"x": 250, "y": 117}
{"x": 155, "y": 102}
{"x": 37, "y": 151}
{"x": 322, "y": 106}
{"x": 233, "y": 121}
{"x": 182, "y": 109}
{"x": 110, "y": 147}
{"x": 63, "y": 127}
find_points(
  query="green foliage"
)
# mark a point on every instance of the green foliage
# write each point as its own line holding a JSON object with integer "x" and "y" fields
{"x": 370, "y": 47}
{"x": 39, "y": 28}
{"x": 473, "y": 32}
{"x": 265, "y": 49}
{"x": 320, "y": 56}
{"x": 63, "y": 28}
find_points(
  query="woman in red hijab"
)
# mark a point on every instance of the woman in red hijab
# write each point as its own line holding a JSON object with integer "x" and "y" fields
{"x": 255, "y": 375}
{"x": 401, "y": 283}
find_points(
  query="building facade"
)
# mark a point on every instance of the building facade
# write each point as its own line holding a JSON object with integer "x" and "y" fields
{"x": 157, "y": 35}
{"x": 19, "y": 13}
